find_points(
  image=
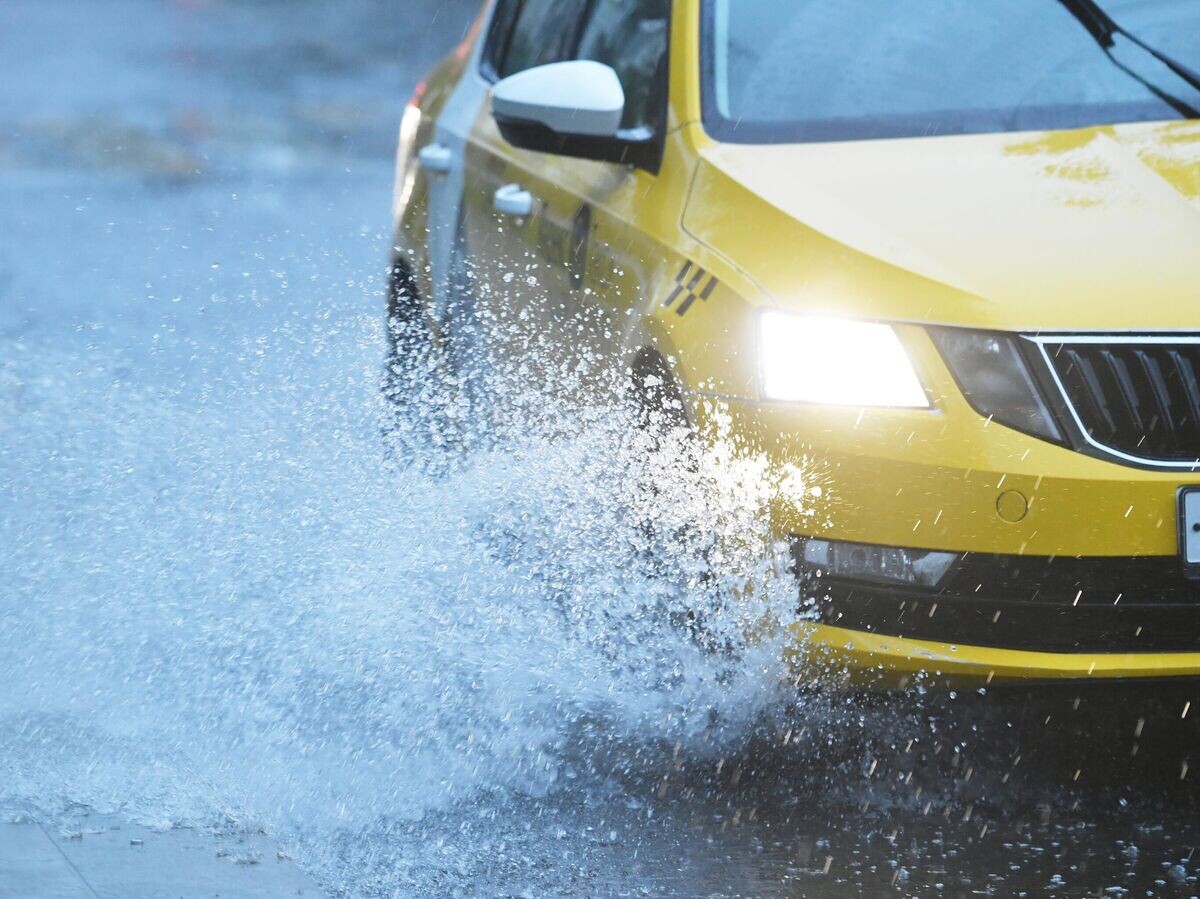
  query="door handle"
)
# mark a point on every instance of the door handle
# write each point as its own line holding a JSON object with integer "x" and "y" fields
{"x": 436, "y": 158}
{"x": 512, "y": 199}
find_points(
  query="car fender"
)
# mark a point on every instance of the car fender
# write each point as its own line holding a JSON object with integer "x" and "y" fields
{"x": 700, "y": 318}
{"x": 431, "y": 248}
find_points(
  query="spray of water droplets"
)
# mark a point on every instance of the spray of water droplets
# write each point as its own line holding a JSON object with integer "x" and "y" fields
{"x": 248, "y": 602}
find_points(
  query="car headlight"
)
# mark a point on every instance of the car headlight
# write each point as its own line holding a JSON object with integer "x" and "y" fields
{"x": 835, "y": 362}
{"x": 994, "y": 378}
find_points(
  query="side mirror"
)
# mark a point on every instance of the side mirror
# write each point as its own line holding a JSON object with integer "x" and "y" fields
{"x": 579, "y": 97}
{"x": 570, "y": 108}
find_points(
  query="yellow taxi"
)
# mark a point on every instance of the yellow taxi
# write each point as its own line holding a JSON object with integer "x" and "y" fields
{"x": 948, "y": 252}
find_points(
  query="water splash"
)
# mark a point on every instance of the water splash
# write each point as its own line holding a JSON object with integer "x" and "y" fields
{"x": 235, "y": 602}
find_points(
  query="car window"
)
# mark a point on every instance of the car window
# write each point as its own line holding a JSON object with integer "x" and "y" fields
{"x": 544, "y": 32}
{"x": 631, "y": 36}
{"x": 500, "y": 30}
{"x": 796, "y": 70}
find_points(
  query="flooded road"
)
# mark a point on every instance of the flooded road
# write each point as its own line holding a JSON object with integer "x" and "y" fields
{"x": 228, "y": 608}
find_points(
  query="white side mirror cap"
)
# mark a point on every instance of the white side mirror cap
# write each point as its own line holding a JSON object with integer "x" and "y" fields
{"x": 576, "y": 97}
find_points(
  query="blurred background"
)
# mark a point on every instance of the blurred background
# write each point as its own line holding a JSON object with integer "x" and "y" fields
{"x": 140, "y": 137}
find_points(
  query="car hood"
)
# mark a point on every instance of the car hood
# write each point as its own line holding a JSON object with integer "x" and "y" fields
{"x": 1093, "y": 229}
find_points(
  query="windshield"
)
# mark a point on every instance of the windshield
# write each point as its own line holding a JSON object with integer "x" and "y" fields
{"x": 824, "y": 70}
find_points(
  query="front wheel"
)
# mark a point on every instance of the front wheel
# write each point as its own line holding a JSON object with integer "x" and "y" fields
{"x": 671, "y": 491}
{"x": 657, "y": 403}
{"x": 409, "y": 341}
{"x": 434, "y": 382}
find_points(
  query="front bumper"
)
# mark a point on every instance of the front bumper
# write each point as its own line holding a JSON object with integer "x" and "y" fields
{"x": 822, "y": 653}
{"x": 947, "y": 480}
{"x": 1067, "y": 605}
{"x": 994, "y": 617}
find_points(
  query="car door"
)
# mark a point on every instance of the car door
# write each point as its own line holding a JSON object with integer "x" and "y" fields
{"x": 617, "y": 256}
{"x": 550, "y": 235}
{"x": 513, "y": 201}
{"x": 442, "y": 161}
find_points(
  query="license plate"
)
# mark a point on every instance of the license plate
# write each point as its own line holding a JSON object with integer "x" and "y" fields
{"x": 1189, "y": 530}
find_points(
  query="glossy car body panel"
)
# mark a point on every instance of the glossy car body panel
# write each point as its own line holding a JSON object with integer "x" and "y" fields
{"x": 862, "y": 659}
{"x": 1094, "y": 230}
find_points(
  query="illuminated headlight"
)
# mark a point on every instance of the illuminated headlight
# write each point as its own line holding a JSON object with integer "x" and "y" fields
{"x": 993, "y": 376}
{"x": 406, "y": 170}
{"x": 875, "y": 564}
{"x": 835, "y": 362}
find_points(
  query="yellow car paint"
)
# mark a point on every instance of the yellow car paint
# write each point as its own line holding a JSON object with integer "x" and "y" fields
{"x": 1075, "y": 231}
{"x": 838, "y": 657}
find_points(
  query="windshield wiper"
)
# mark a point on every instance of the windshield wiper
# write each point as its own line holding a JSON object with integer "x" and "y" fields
{"x": 1103, "y": 29}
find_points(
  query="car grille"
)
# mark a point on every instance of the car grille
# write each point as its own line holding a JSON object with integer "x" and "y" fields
{"x": 1136, "y": 398}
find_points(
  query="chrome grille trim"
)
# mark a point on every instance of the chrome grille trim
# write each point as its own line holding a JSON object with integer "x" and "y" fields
{"x": 1131, "y": 400}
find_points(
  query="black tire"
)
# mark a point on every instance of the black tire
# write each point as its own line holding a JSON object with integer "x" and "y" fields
{"x": 415, "y": 358}
{"x": 404, "y": 308}
{"x": 434, "y": 387}
{"x": 464, "y": 345}
{"x": 656, "y": 400}
{"x": 660, "y": 414}
{"x": 410, "y": 343}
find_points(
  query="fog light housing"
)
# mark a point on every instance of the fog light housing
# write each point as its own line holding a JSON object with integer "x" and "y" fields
{"x": 891, "y": 565}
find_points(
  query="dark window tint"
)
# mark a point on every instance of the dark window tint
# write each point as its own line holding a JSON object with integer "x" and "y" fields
{"x": 544, "y": 32}
{"x": 501, "y": 28}
{"x": 631, "y": 36}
